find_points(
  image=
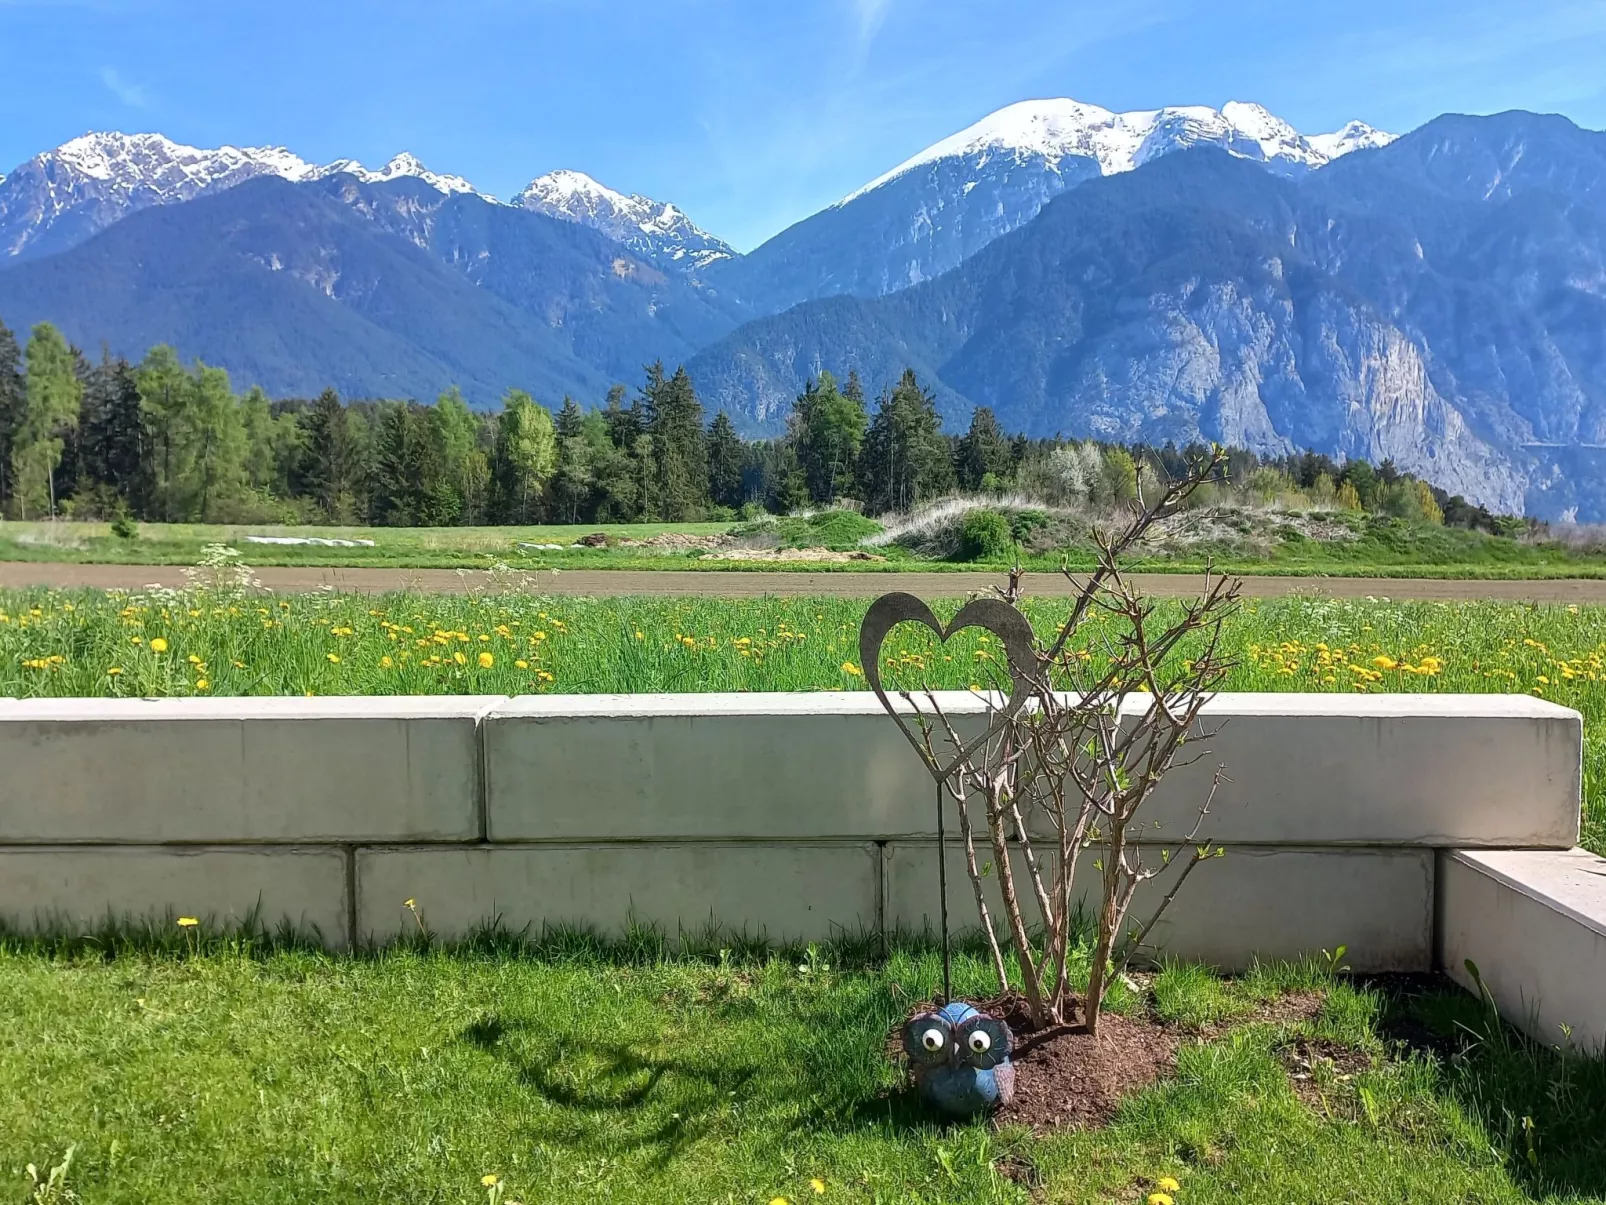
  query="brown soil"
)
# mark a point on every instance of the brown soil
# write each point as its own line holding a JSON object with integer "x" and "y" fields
{"x": 735, "y": 583}
{"x": 1315, "y": 1065}
{"x": 1066, "y": 1079}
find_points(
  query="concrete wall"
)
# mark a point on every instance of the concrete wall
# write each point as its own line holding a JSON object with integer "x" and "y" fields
{"x": 793, "y": 816}
{"x": 1534, "y": 924}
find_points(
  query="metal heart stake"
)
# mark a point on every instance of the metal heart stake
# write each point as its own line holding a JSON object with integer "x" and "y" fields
{"x": 990, "y": 614}
{"x": 1015, "y": 634}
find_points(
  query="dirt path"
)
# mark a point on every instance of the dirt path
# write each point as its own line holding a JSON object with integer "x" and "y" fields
{"x": 739, "y": 584}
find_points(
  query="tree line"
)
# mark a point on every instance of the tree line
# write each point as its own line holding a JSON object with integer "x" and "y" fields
{"x": 162, "y": 441}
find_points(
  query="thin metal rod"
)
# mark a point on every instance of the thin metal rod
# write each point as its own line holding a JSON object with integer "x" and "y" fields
{"x": 942, "y": 887}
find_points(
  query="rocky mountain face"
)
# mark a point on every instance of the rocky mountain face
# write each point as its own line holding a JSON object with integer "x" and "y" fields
{"x": 936, "y": 209}
{"x": 654, "y": 229}
{"x": 1440, "y": 301}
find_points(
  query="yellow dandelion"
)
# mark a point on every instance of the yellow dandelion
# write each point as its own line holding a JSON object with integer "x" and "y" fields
{"x": 1167, "y": 1184}
{"x": 522, "y": 664}
{"x": 114, "y": 671}
{"x": 639, "y": 636}
{"x": 1385, "y": 662}
{"x": 187, "y": 922}
{"x": 490, "y": 1180}
{"x": 158, "y": 645}
{"x": 334, "y": 658}
{"x": 1160, "y": 1198}
{"x": 202, "y": 684}
{"x": 849, "y": 668}
{"x": 486, "y": 660}
{"x": 385, "y": 663}
{"x": 410, "y": 904}
{"x": 459, "y": 658}
{"x": 818, "y": 1186}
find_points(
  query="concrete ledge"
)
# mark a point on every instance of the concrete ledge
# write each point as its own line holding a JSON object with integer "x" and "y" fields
{"x": 1534, "y": 924}
{"x": 226, "y": 770}
{"x": 1464, "y": 770}
{"x": 49, "y": 888}
{"x": 806, "y": 891}
{"x": 1255, "y": 903}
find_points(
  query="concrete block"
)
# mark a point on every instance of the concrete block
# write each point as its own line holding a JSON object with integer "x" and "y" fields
{"x": 1462, "y": 770}
{"x": 223, "y": 770}
{"x": 1534, "y": 924}
{"x": 1441, "y": 770}
{"x": 1255, "y": 903}
{"x": 605, "y": 767}
{"x": 806, "y": 891}
{"x": 80, "y": 887}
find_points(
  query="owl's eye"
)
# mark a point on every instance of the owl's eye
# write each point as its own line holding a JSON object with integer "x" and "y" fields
{"x": 932, "y": 1040}
{"x": 980, "y": 1043}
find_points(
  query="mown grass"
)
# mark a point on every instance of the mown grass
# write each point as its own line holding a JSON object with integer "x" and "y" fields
{"x": 1380, "y": 547}
{"x": 207, "y": 1068}
{"x": 93, "y": 644}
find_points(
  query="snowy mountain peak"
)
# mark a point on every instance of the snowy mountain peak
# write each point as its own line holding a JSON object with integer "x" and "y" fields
{"x": 403, "y": 165}
{"x": 1053, "y": 130}
{"x": 655, "y": 229}
{"x": 1356, "y": 136}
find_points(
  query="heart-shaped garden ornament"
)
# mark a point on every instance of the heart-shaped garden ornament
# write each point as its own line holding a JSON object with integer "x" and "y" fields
{"x": 990, "y": 614}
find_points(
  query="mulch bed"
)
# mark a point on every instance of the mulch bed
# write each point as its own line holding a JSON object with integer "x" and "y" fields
{"x": 1066, "y": 1079}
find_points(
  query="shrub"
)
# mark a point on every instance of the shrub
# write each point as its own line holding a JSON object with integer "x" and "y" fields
{"x": 984, "y": 535}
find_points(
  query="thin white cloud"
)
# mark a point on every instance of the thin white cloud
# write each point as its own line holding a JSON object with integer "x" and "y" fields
{"x": 129, "y": 93}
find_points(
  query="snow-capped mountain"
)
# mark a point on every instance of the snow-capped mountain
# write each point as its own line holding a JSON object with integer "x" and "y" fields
{"x": 655, "y": 229}
{"x": 404, "y": 164}
{"x": 63, "y": 196}
{"x": 939, "y": 207}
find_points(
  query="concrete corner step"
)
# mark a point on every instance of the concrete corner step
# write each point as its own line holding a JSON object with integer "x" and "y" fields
{"x": 1534, "y": 924}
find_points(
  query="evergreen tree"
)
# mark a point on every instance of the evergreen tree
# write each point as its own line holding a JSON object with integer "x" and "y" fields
{"x": 13, "y": 397}
{"x": 570, "y": 420}
{"x": 828, "y": 428}
{"x": 112, "y": 436}
{"x": 52, "y": 401}
{"x": 725, "y": 457}
{"x": 328, "y": 458}
{"x": 905, "y": 458}
{"x": 523, "y": 460}
{"x": 679, "y": 452}
{"x": 984, "y": 458}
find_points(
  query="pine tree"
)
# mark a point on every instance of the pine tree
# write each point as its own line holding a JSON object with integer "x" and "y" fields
{"x": 725, "y": 458}
{"x": 827, "y": 428}
{"x": 570, "y": 420}
{"x": 983, "y": 458}
{"x": 327, "y": 456}
{"x": 112, "y": 435}
{"x": 522, "y": 460}
{"x": 13, "y": 396}
{"x": 905, "y": 458}
{"x": 679, "y": 455}
{"x": 52, "y": 403}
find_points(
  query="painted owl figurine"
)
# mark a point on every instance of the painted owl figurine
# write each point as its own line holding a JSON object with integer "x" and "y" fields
{"x": 960, "y": 1059}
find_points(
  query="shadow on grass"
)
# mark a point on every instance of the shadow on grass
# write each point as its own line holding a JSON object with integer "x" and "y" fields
{"x": 655, "y": 1104}
{"x": 1543, "y": 1109}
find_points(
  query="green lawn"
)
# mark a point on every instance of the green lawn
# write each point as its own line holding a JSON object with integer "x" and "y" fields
{"x": 1385, "y": 548}
{"x": 90, "y": 643}
{"x": 238, "y": 1075}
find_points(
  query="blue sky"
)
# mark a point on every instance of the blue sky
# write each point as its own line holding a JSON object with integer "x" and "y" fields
{"x": 749, "y": 114}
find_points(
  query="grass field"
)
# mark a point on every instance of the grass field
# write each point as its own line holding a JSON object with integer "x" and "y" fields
{"x": 185, "y": 644}
{"x": 210, "y": 1071}
{"x": 1381, "y": 548}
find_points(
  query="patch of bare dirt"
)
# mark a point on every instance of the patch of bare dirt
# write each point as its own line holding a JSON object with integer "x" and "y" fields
{"x": 1067, "y": 1079}
{"x": 1317, "y": 1065}
{"x": 673, "y": 541}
